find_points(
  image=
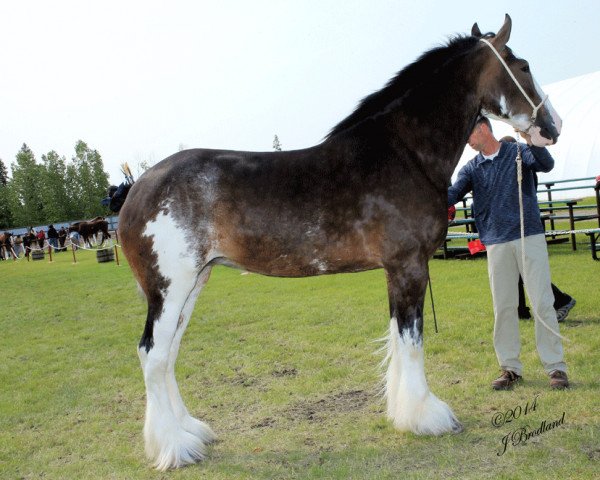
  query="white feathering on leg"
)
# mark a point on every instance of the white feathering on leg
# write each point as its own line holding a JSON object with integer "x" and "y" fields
{"x": 410, "y": 404}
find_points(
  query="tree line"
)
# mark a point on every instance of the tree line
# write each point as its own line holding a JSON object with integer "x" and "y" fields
{"x": 54, "y": 190}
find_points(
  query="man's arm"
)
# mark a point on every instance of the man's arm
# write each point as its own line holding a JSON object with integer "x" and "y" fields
{"x": 461, "y": 187}
{"x": 537, "y": 159}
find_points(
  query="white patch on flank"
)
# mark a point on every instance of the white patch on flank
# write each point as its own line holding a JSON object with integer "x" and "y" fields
{"x": 410, "y": 404}
{"x": 170, "y": 244}
{"x": 173, "y": 437}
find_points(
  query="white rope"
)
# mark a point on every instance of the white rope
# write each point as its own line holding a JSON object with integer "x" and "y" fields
{"x": 535, "y": 109}
{"x": 519, "y": 161}
{"x": 548, "y": 233}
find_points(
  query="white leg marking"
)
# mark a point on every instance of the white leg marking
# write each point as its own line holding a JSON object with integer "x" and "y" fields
{"x": 173, "y": 438}
{"x": 410, "y": 404}
{"x": 189, "y": 423}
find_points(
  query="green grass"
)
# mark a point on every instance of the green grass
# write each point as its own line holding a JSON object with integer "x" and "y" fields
{"x": 285, "y": 373}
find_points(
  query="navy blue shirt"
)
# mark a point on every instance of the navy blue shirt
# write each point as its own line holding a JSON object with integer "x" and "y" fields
{"x": 496, "y": 193}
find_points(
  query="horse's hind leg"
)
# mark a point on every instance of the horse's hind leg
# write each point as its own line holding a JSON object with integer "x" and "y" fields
{"x": 171, "y": 284}
{"x": 173, "y": 438}
{"x": 189, "y": 423}
{"x": 410, "y": 404}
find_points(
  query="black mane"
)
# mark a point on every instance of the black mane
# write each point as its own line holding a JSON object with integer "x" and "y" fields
{"x": 430, "y": 63}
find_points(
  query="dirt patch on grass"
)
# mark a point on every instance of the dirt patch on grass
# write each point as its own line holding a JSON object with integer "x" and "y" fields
{"x": 317, "y": 410}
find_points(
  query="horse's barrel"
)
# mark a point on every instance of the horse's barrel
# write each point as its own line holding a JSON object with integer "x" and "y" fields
{"x": 105, "y": 255}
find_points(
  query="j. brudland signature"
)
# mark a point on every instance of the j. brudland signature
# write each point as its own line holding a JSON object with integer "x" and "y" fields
{"x": 522, "y": 434}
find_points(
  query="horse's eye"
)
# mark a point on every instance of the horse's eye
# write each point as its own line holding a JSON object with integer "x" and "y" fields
{"x": 525, "y": 69}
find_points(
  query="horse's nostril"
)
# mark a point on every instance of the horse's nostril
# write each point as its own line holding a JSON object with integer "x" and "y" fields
{"x": 546, "y": 133}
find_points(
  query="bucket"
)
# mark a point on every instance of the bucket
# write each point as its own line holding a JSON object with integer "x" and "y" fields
{"x": 106, "y": 255}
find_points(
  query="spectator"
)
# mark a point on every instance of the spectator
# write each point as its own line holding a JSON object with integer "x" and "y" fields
{"x": 18, "y": 245}
{"x": 41, "y": 237}
{"x": 52, "y": 237}
{"x": 27, "y": 243}
{"x": 74, "y": 236}
{"x": 62, "y": 237}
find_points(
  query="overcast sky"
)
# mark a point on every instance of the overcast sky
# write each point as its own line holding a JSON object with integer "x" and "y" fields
{"x": 137, "y": 80}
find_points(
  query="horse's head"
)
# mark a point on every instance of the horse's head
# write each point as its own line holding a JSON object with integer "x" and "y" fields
{"x": 510, "y": 93}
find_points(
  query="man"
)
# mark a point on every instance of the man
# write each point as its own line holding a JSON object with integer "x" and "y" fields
{"x": 563, "y": 302}
{"x": 492, "y": 176}
{"x": 53, "y": 237}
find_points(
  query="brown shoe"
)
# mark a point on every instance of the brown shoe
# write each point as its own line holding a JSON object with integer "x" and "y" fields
{"x": 506, "y": 380}
{"x": 558, "y": 380}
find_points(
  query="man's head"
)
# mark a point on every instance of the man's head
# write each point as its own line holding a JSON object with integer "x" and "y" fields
{"x": 482, "y": 137}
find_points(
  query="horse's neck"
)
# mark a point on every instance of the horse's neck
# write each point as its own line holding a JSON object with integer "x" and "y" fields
{"x": 435, "y": 123}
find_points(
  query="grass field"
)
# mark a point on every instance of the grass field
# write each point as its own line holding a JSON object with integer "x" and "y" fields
{"x": 285, "y": 373}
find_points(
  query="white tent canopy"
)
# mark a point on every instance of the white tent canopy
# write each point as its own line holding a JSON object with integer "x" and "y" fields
{"x": 577, "y": 152}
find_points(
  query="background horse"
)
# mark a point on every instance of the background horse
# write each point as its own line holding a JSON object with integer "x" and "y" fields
{"x": 372, "y": 195}
{"x": 6, "y": 251}
{"x": 91, "y": 227}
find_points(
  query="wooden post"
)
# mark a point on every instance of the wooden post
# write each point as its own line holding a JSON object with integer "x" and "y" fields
{"x": 117, "y": 256}
{"x": 73, "y": 248}
{"x": 50, "y": 251}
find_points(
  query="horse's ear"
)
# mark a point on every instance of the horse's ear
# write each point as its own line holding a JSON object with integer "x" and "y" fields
{"x": 475, "y": 30}
{"x": 501, "y": 38}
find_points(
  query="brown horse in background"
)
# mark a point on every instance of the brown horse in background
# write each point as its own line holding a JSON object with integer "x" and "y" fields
{"x": 88, "y": 228}
{"x": 372, "y": 195}
{"x": 6, "y": 245}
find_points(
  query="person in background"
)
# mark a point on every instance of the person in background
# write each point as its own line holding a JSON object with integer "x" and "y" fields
{"x": 41, "y": 238}
{"x": 53, "y": 237}
{"x": 18, "y": 245}
{"x": 62, "y": 237}
{"x": 74, "y": 236}
{"x": 563, "y": 302}
{"x": 492, "y": 177}
{"x": 27, "y": 242}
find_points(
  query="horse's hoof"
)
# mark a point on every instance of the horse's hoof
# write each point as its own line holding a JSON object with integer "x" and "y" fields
{"x": 457, "y": 427}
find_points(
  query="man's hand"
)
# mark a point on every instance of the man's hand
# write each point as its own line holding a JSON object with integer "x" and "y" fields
{"x": 526, "y": 137}
{"x": 451, "y": 213}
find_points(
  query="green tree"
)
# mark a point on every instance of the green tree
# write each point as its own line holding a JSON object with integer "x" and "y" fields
{"x": 74, "y": 204}
{"x": 5, "y": 210}
{"x": 276, "y": 144}
{"x": 91, "y": 181}
{"x": 26, "y": 200}
{"x": 56, "y": 200}
{"x": 3, "y": 174}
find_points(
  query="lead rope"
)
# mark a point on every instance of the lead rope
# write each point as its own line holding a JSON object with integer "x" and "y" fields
{"x": 514, "y": 79}
{"x": 519, "y": 161}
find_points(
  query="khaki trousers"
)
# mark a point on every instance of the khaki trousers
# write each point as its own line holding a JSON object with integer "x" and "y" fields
{"x": 504, "y": 267}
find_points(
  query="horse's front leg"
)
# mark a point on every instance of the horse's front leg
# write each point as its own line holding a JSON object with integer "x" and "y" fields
{"x": 410, "y": 404}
